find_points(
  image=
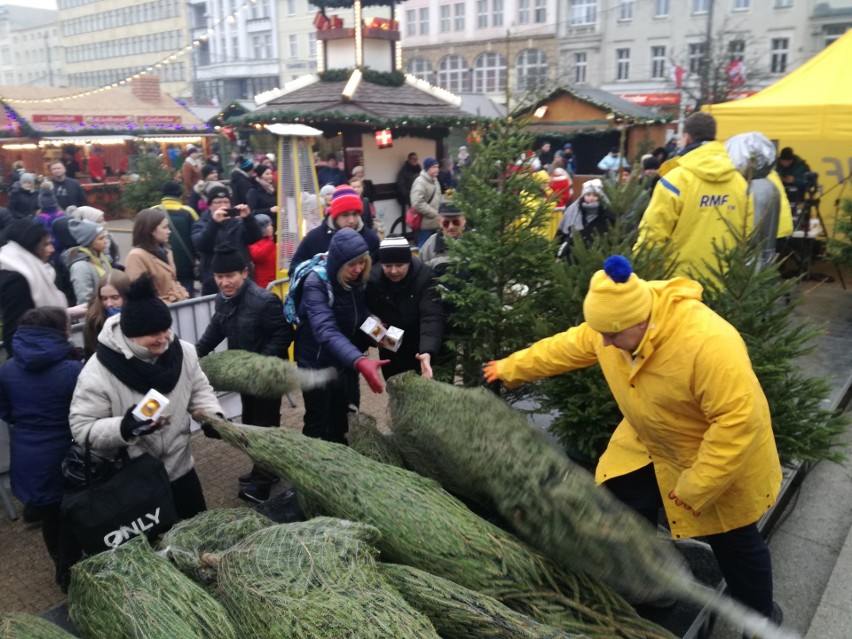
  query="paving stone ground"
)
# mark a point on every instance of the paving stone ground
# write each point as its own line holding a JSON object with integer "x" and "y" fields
{"x": 26, "y": 571}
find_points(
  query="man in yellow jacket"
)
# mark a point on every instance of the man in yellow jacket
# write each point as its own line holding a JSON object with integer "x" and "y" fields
{"x": 693, "y": 202}
{"x": 696, "y": 438}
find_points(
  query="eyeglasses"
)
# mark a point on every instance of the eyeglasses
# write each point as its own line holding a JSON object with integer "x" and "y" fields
{"x": 447, "y": 222}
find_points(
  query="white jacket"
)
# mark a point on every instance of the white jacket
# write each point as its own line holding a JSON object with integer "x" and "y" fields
{"x": 100, "y": 402}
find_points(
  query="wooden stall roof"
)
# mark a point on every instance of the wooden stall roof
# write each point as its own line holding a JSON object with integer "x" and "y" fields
{"x": 138, "y": 108}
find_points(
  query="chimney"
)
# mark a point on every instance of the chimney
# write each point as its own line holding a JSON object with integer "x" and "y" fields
{"x": 146, "y": 88}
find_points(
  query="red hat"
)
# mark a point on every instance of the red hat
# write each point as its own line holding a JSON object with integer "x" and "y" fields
{"x": 345, "y": 199}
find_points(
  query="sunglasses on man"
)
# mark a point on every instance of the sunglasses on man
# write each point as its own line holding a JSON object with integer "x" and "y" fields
{"x": 451, "y": 221}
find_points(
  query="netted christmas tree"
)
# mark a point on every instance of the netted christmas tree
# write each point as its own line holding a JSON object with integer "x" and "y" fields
{"x": 840, "y": 244}
{"x": 501, "y": 274}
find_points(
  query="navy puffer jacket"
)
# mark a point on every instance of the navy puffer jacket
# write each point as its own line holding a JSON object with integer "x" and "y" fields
{"x": 36, "y": 386}
{"x": 331, "y": 335}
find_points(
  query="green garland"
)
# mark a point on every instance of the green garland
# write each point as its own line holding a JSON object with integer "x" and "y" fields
{"x": 335, "y": 117}
{"x": 381, "y": 78}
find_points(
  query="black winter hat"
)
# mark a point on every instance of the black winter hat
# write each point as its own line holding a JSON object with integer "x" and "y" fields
{"x": 143, "y": 313}
{"x": 27, "y": 233}
{"x": 226, "y": 259}
{"x": 47, "y": 197}
{"x": 219, "y": 190}
{"x": 172, "y": 189}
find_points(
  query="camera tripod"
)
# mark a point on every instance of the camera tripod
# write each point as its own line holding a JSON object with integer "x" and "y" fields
{"x": 806, "y": 245}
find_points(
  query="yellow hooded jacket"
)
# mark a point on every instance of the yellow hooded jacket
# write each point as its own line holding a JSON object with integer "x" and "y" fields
{"x": 691, "y": 403}
{"x": 690, "y": 204}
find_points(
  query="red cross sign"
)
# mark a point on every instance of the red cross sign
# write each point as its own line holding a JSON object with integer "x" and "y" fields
{"x": 384, "y": 139}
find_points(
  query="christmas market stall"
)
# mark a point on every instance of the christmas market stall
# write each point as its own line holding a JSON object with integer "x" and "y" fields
{"x": 94, "y": 133}
{"x": 370, "y": 113}
{"x": 594, "y": 121}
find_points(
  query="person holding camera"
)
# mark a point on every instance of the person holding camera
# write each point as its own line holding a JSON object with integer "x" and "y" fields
{"x": 151, "y": 255}
{"x": 794, "y": 173}
{"x": 222, "y": 223}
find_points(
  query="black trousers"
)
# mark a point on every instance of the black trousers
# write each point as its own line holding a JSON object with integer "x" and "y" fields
{"x": 327, "y": 409}
{"x": 742, "y": 553}
{"x": 60, "y": 543}
{"x": 188, "y": 496}
{"x": 261, "y": 411}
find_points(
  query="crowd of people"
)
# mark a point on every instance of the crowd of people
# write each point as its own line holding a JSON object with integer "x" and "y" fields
{"x": 208, "y": 237}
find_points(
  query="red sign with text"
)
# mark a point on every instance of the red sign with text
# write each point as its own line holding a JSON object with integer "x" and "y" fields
{"x": 653, "y": 99}
{"x": 56, "y": 118}
{"x": 153, "y": 121}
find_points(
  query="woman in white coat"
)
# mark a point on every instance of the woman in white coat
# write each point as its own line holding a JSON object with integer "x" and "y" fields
{"x": 137, "y": 351}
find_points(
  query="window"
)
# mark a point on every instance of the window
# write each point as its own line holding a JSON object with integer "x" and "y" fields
{"x": 459, "y": 23}
{"x": 293, "y": 42}
{"x": 658, "y": 63}
{"x": 540, "y": 11}
{"x": 742, "y": 5}
{"x": 700, "y": 6}
{"x": 420, "y": 68}
{"x": 445, "y": 18}
{"x": 531, "y": 70}
{"x": 626, "y": 9}
{"x": 736, "y": 50}
{"x": 235, "y": 48}
{"x": 580, "y": 60}
{"x": 622, "y": 64}
{"x": 497, "y": 13}
{"x": 410, "y": 22}
{"x": 696, "y": 57}
{"x": 489, "y": 73}
{"x": 424, "y": 21}
{"x": 291, "y": 7}
{"x": 584, "y": 12}
{"x": 833, "y": 31}
{"x": 783, "y": 4}
{"x": 312, "y": 44}
{"x": 452, "y": 74}
{"x": 780, "y": 52}
{"x": 482, "y": 14}
{"x": 524, "y": 11}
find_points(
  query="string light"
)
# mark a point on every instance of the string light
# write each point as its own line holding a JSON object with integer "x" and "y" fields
{"x": 175, "y": 55}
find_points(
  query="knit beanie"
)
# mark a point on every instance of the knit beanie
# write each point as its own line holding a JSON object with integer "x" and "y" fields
{"x": 86, "y": 213}
{"x": 328, "y": 189}
{"x": 84, "y": 231}
{"x": 226, "y": 259}
{"x": 246, "y": 164}
{"x": 428, "y": 163}
{"x": 27, "y": 233}
{"x": 143, "y": 313}
{"x": 345, "y": 199}
{"x": 27, "y": 177}
{"x": 216, "y": 190}
{"x": 47, "y": 197}
{"x": 592, "y": 186}
{"x": 395, "y": 250}
{"x": 263, "y": 220}
{"x": 172, "y": 189}
{"x": 617, "y": 297}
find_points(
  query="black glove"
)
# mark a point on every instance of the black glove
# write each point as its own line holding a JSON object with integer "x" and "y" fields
{"x": 210, "y": 432}
{"x": 132, "y": 426}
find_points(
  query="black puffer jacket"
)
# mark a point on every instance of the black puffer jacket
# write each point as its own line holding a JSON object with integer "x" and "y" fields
{"x": 207, "y": 234}
{"x": 22, "y": 203}
{"x": 252, "y": 320}
{"x": 413, "y": 305}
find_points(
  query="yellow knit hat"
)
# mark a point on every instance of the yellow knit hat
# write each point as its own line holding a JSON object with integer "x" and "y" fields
{"x": 617, "y": 297}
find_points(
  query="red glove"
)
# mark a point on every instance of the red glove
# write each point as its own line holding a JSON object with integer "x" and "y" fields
{"x": 369, "y": 368}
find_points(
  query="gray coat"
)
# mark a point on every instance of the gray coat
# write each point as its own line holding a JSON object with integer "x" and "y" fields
{"x": 426, "y": 199}
{"x": 100, "y": 402}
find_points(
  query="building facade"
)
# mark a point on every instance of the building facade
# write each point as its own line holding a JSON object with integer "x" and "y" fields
{"x": 505, "y": 49}
{"x": 108, "y": 42}
{"x": 31, "y": 51}
{"x": 643, "y": 50}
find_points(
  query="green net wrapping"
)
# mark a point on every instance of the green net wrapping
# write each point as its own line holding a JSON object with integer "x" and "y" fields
{"x": 423, "y": 526}
{"x": 478, "y": 447}
{"x": 365, "y": 438}
{"x": 461, "y": 613}
{"x": 189, "y": 543}
{"x": 259, "y": 375}
{"x": 314, "y": 580}
{"x": 17, "y": 625}
{"x": 132, "y": 593}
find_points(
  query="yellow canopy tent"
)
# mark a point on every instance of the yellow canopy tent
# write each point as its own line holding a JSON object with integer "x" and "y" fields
{"x": 809, "y": 109}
